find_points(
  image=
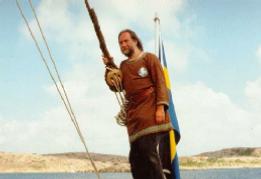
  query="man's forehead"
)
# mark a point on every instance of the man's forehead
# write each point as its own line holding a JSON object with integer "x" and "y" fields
{"x": 125, "y": 35}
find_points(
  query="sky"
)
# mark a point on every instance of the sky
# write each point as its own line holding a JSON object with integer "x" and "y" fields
{"x": 213, "y": 50}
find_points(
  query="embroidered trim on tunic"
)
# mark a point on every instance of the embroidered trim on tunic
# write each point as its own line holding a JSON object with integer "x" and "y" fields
{"x": 150, "y": 130}
{"x": 141, "y": 56}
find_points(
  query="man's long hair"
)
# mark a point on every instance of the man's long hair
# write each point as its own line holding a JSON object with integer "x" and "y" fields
{"x": 133, "y": 36}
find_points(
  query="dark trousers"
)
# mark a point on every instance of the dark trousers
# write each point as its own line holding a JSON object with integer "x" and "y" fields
{"x": 144, "y": 157}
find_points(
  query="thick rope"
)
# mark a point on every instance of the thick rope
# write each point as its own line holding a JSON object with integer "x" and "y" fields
{"x": 121, "y": 116}
{"x": 67, "y": 106}
{"x": 117, "y": 84}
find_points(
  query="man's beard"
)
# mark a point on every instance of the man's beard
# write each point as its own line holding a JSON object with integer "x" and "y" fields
{"x": 129, "y": 52}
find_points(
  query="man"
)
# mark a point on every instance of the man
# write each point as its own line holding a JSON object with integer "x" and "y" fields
{"x": 147, "y": 119}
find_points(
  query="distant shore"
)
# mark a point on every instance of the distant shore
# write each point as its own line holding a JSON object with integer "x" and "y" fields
{"x": 78, "y": 162}
{"x": 196, "y": 163}
{"x": 70, "y": 162}
{"x": 240, "y": 157}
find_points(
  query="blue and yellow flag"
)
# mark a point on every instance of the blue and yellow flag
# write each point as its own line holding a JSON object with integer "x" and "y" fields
{"x": 168, "y": 150}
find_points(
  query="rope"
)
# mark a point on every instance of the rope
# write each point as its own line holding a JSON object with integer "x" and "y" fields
{"x": 121, "y": 117}
{"x": 66, "y": 101}
{"x": 53, "y": 61}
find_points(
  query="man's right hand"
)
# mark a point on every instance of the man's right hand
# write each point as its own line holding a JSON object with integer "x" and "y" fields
{"x": 106, "y": 60}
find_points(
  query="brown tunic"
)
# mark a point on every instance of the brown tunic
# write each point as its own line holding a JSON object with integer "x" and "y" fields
{"x": 145, "y": 87}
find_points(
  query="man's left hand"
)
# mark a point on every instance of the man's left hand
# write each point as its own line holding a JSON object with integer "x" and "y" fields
{"x": 160, "y": 114}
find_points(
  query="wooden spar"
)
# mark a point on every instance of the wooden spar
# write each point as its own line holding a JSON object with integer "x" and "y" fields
{"x": 99, "y": 35}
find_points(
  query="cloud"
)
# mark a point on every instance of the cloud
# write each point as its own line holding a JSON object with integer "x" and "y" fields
{"x": 56, "y": 131}
{"x": 62, "y": 28}
{"x": 209, "y": 120}
{"x": 95, "y": 116}
{"x": 95, "y": 107}
{"x": 133, "y": 11}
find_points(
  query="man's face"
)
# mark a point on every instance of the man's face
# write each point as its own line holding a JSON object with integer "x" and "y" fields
{"x": 127, "y": 44}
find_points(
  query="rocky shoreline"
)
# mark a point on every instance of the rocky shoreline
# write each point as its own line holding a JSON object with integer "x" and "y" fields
{"x": 199, "y": 163}
{"x": 78, "y": 162}
{"x": 241, "y": 157}
{"x": 71, "y": 162}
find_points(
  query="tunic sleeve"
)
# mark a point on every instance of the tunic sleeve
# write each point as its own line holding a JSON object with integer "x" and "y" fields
{"x": 158, "y": 80}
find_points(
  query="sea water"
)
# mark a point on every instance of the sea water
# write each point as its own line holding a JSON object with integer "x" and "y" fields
{"x": 185, "y": 174}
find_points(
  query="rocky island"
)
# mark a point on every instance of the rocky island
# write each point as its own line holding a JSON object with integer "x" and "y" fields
{"x": 243, "y": 157}
{"x": 78, "y": 162}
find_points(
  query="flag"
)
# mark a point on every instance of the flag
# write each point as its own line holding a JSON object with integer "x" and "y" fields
{"x": 168, "y": 145}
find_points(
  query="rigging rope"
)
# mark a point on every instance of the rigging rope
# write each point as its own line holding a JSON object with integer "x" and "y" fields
{"x": 65, "y": 100}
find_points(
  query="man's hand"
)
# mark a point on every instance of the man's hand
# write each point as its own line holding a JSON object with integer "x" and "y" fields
{"x": 160, "y": 114}
{"x": 106, "y": 60}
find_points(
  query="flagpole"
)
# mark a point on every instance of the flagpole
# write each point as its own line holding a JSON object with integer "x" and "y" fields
{"x": 171, "y": 166}
{"x": 157, "y": 33}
